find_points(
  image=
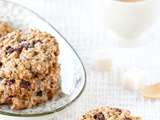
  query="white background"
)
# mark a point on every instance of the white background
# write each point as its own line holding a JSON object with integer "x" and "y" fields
{"x": 75, "y": 19}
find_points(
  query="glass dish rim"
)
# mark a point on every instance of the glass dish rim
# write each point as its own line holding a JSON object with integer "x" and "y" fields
{"x": 84, "y": 70}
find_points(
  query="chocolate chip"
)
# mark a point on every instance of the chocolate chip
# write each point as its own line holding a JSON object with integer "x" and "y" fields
{"x": 39, "y": 93}
{"x": 22, "y": 40}
{"x": 35, "y": 75}
{"x": 9, "y": 49}
{"x": 35, "y": 53}
{"x": 118, "y": 110}
{"x": 19, "y": 49}
{"x": 8, "y": 100}
{"x": 56, "y": 53}
{"x": 25, "y": 84}
{"x": 126, "y": 118}
{"x": 1, "y": 64}
{"x": 16, "y": 65}
{"x": 10, "y": 82}
{"x": 37, "y": 41}
{"x": 99, "y": 116}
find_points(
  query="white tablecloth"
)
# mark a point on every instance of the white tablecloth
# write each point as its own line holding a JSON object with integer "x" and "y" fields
{"x": 75, "y": 20}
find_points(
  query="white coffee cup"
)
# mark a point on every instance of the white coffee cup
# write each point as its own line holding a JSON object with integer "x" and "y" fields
{"x": 128, "y": 19}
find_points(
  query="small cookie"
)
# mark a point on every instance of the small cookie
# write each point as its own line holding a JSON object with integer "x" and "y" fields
{"x": 5, "y": 28}
{"x": 108, "y": 113}
{"x": 27, "y": 54}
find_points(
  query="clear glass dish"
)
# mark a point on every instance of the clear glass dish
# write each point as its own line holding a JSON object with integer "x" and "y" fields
{"x": 73, "y": 74}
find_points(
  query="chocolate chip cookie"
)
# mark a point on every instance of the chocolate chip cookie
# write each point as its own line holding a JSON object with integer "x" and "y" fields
{"x": 108, "y": 113}
{"x": 27, "y": 54}
{"x": 21, "y": 94}
{"x": 29, "y": 69}
{"x": 5, "y": 28}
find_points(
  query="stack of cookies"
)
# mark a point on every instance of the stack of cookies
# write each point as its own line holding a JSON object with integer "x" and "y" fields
{"x": 29, "y": 69}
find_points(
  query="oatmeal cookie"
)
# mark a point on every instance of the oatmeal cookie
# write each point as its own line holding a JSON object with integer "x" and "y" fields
{"x": 21, "y": 94}
{"x": 5, "y": 28}
{"x": 107, "y": 113}
{"x": 27, "y": 54}
{"x": 29, "y": 69}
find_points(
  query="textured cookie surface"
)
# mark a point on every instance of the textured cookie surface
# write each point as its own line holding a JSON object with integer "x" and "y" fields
{"x": 107, "y": 113}
{"x": 29, "y": 69}
{"x": 5, "y": 28}
{"x": 27, "y": 54}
